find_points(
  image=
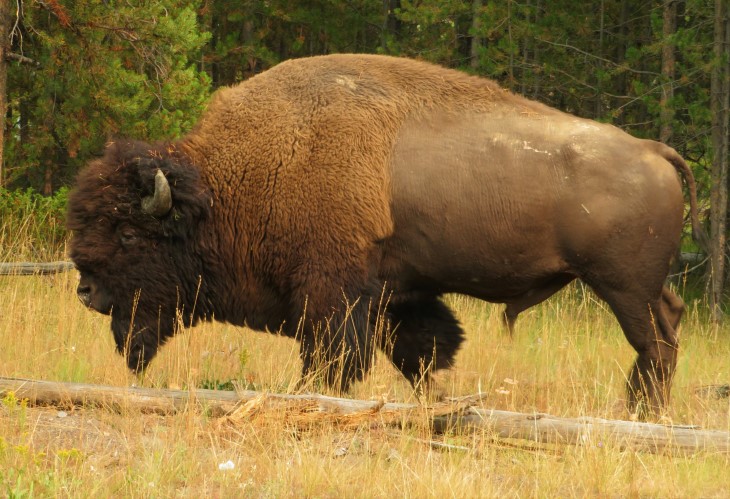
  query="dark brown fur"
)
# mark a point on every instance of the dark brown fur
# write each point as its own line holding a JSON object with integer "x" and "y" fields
{"x": 312, "y": 191}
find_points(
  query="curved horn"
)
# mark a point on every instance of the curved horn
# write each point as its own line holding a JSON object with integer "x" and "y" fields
{"x": 161, "y": 203}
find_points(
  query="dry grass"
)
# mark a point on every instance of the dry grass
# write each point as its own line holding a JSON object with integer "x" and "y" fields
{"x": 568, "y": 358}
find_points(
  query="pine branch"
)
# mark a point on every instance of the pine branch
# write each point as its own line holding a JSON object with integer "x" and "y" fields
{"x": 12, "y": 56}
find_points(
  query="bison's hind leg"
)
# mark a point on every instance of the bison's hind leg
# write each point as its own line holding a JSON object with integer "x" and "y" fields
{"x": 425, "y": 337}
{"x": 654, "y": 337}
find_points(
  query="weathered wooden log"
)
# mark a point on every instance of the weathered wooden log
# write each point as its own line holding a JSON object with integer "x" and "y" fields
{"x": 27, "y": 268}
{"x": 535, "y": 427}
{"x": 164, "y": 401}
{"x": 648, "y": 437}
{"x": 714, "y": 391}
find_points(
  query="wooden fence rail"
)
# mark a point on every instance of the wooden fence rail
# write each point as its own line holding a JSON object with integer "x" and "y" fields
{"x": 27, "y": 268}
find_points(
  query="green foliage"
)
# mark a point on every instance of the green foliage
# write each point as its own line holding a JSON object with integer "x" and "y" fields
{"x": 249, "y": 37}
{"x": 16, "y": 485}
{"x": 105, "y": 71}
{"x": 215, "y": 384}
{"x": 433, "y": 30}
{"x": 11, "y": 402}
{"x": 32, "y": 225}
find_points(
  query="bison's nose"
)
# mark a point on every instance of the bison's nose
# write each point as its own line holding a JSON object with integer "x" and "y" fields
{"x": 84, "y": 294}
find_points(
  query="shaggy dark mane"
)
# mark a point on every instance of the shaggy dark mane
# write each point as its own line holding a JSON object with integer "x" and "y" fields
{"x": 111, "y": 189}
{"x": 158, "y": 262}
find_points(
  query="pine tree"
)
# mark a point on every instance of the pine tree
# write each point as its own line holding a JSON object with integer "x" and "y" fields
{"x": 106, "y": 69}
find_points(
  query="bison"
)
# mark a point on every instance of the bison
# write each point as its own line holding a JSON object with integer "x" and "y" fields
{"x": 326, "y": 187}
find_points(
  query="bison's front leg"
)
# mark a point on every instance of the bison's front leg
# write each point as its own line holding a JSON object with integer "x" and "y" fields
{"x": 339, "y": 348}
{"x": 425, "y": 338}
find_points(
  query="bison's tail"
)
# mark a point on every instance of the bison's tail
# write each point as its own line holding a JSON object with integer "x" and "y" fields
{"x": 698, "y": 233}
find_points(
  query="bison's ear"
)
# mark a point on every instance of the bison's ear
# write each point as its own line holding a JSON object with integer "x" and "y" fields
{"x": 160, "y": 203}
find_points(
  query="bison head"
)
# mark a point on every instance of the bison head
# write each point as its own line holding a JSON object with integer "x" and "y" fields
{"x": 138, "y": 216}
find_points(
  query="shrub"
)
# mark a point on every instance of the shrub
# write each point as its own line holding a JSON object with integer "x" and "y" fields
{"x": 32, "y": 226}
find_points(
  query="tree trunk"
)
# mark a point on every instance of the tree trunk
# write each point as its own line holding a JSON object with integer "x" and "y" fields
{"x": 511, "y": 74}
{"x": 248, "y": 41}
{"x": 391, "y": 24}
{"x": 476, "y": 36}
{"x": 526, "y": 49}
{"x": 723, "y": 132}
{"x": 720, "y": 94}
{"x": 5, "y": 28}
{"x": 598, "y": 109}
{"x": 620, "y": 44}
{"x": 536, "y": 54}
{"x": 666, "y": 113}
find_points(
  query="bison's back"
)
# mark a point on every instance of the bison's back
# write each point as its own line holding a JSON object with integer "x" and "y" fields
{"x": 309, "y": 144}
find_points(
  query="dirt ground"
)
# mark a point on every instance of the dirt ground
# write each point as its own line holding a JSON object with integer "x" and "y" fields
{"x": 94, "y": 433}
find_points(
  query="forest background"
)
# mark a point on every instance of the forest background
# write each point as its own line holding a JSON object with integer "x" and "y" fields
{"x": 76, "y": 74}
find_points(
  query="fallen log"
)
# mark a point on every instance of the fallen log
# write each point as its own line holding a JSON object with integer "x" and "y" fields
{"x": 648, "y": 437}
{"x": 155, "y": 400}
{"x": 714, "y": 391}
{"x": 536, "y": 427}
{"x": 27, "y": 268}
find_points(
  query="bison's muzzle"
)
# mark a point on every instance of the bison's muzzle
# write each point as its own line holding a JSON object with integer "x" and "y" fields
{"x": 92, "y": 298}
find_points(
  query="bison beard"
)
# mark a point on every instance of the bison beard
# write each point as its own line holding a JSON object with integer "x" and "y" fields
{"x": 312, "y": 195}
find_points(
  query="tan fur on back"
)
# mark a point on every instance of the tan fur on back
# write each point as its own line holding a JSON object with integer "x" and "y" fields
{"x": 307, "y": 144}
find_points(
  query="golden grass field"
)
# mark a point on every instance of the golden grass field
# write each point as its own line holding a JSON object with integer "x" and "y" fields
{"x": 568, "y": 358}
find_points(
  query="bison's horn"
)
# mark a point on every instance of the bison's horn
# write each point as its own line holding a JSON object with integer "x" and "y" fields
{"x": 161, "y": 202}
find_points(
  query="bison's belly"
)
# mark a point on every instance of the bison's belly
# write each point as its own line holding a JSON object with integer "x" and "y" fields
{"x": 491, "y": 269}
{"x": 474, "y": 208}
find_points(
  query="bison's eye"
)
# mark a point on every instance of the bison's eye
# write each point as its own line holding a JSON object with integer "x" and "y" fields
{"x": 128, "y": 237}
